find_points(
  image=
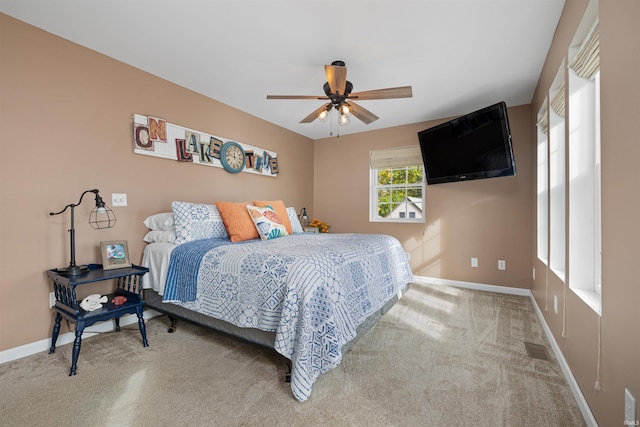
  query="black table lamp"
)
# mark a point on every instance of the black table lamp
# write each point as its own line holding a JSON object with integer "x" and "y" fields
{"x": 100, "y": 217}
{"x": 304, "y": 219}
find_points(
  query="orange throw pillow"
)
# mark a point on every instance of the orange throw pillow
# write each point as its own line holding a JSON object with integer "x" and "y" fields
{"x": 281, "y": 210}
{"x": 237, "y": 221}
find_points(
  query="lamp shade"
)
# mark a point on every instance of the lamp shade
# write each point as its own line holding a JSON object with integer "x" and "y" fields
{"x": 343, "y": 120}
{"x": 101, "y": 216}
{"x": 304, "y": 219}
{"x": 323, "y": 115}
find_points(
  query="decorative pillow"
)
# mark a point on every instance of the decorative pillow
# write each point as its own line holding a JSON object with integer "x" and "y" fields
{"x": 161, "y": 221}
{"x": 267, "y": 222}
{"x": 168, "y": 236}
{"x": 294, "y": 220}
{"x": 196, "y": 221}
{"x": 281, "y": 210}
{"x": 237, "y": 221}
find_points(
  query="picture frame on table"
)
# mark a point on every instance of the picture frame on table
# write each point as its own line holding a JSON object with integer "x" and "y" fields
{"x": 115, "y": 254}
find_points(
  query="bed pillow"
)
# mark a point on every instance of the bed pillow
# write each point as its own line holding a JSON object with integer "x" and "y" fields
{"x": 237, "y": 221}
{"x": 168, "y": 236}
{"x": 197, "y": 221}
{"x": 267, "y": 222}
{"x": 281, "y": 210}
{"x": 294, "y": 220}
{"x": 161, "y": 221}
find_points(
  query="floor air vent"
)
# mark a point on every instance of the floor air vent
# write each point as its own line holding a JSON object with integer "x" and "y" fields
{"x": 536, "y": 351}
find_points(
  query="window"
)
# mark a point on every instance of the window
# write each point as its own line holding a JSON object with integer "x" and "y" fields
{"x": 557, "y": 177}
{"x": 397, "y": 185}
{"x": 543, "y": 184}
{"x": 584, "y": 163}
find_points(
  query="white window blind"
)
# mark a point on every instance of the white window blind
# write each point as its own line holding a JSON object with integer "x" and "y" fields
{"x": 395, "y": 157}
{"x": 543, "y": 121}
{"x": 586, "y": 63}
{"x": 558, "y": 101}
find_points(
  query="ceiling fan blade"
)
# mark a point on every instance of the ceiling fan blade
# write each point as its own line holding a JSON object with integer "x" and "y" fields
{"x": 336, "y": 77}
{"x": 311, "y": 117}
{"x": 389, "y": 93}
{"x": 362, "y": 113}
{"x": 295, "y": 97}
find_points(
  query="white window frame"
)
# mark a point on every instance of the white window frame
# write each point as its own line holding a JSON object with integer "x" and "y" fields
{"x": 557, "y": 182}
{"x": 373, "y": 196}
{"x": 394, "y": 158}
{"x": 543, "y": 184}
{"x": 585, "y": 207}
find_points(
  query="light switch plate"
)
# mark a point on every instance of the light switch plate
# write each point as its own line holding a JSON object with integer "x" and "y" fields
{"x": 118, "y": 199}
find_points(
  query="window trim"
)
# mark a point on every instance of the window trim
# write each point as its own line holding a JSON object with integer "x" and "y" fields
{"x": 373, "y": 196}
{"x": 542, "y": 184}
{"x": 583, "y": 56}
{"x": 557, "y": 183}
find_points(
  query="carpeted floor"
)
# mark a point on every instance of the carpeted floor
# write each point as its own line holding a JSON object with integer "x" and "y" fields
{"x": 442, "y": 356}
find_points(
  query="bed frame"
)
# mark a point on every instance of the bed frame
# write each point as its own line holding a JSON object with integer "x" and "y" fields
{"x": 256, "y": 336}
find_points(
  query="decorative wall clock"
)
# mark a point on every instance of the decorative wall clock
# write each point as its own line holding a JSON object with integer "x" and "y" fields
{"x": 232, "y": 157}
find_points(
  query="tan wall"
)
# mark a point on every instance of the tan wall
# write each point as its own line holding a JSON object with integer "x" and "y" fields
{"x": 487, "y": 219}
{"x": 620, "y": 323}
{"x": 66, "y": 126}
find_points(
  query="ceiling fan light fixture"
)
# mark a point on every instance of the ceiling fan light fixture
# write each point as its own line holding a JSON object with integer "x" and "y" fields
{"x": 344, "y": 109}
{"x": 343, "y": 120}
{"x": 324, "y": 114}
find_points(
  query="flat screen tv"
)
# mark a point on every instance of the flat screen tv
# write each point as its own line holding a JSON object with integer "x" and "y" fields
{"x": 474, "y": 146}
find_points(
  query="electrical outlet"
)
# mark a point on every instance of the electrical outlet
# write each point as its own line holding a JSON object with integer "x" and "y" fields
{"x": 502, "y": 264}
{"x": 555, "y": 304}
{"x": 52, "y": 299}
{"x": 534, "y": 273}
{"x": 474, "y": 262}
{"x": 118, "y": 199}
{"x": 630, "y": 417}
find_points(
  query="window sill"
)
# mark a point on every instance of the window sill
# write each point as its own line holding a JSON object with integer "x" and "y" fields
{"x": 559, "y": 274}
{"x": 399, "y": 220}
{"x": 590, "y": 298}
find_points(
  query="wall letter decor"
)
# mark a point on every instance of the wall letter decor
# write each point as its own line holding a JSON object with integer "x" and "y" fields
{"x": 153, "y": 136}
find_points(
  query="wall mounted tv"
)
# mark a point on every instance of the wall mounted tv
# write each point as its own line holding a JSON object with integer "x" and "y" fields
{"x": 474, "y": 146}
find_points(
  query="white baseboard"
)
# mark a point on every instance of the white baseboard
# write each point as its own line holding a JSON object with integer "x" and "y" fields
{"x": 470, "y": 285}
{"x": 44, "y": 345}
{"x": 573, "y": 384}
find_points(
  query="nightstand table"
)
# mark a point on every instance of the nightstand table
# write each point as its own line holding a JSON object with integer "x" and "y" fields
{"x": 128, "y": 284}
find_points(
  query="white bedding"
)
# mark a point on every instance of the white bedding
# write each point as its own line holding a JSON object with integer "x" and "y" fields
{"x": 156, "y": 258}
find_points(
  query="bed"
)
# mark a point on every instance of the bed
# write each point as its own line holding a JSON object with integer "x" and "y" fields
{"x": 308, "y": 296}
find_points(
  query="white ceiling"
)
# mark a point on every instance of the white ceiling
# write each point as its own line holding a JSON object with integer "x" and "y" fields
{"x": 458, "y": 55}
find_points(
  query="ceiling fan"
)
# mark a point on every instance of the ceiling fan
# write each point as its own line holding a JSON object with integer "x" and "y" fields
{"x": 338, "y": 91}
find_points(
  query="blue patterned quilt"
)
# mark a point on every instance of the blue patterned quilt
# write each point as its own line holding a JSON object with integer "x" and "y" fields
{"x": 312, "y": 290}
